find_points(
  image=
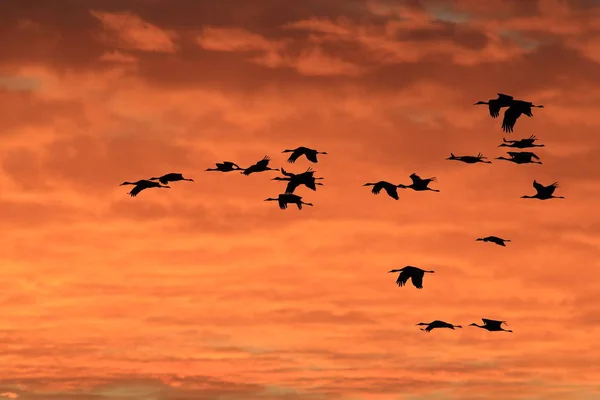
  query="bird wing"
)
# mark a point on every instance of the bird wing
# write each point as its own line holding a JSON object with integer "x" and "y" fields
{"x": 311, "y": 184}
{"x": 403, "y": 278}
{"x": 263, "y": 163}
{"x": 510, "y": 118}
{"x": 311, "y": 156}
{"x": 291, "y": 186}
{"x": 538, "y": 187}
{"x": 416, "y": 179}
{"x": 250, "y": 169}
{"x": 284, "y": 172}
{"x": 549, "y": 190}
{"x": 282, "y": 203}
{"x": 295, "y": 154}
{"x": 504, "y": 97}
{"x": 377, "y": 187}
{"x": 513, "y": 154}
{"x": 530, "y": 154}
{"x": 491, "y": 322}
{"x": 137, "y": 189}
{"x": 417, "y": 280}
{"x": 392, "y": 191}
{"x": 494, "y": 109}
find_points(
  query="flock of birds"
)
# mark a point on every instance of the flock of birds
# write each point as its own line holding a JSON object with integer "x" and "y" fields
{"x": 515, "y": 108}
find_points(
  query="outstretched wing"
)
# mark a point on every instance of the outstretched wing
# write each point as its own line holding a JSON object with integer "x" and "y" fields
{"x": 416, "y": 179}
{"x": 510, "y": 119}
{"x": 250, "y": 169}
{"x": 513, "y": 154}
{"x": 291, "y": 186}
{"x": 538, "y": 186}
{"x": 377, "y": 188}
{"x": 403, "y": 278}
{"x": 311, "y": 155}
{"x": 492, "y": 322}
{"x": 137, "y": 189}
{"x": 504, "y": 97}
{"x": 392, "y": 191}
{"x": 284, "y": 172}
{"x": 417, "y": 280}
{"x": 530, "y": 154}
{"x": 282, "y": 203}
{"x": 295, "y": 154}
{"x": 311, "y": 184}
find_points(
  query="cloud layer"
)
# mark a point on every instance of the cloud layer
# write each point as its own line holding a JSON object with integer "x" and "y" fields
{"x": 205, "y": 291}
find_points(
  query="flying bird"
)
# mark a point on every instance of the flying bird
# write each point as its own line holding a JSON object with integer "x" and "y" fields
{"x": 469, "y": 159}
{"x": 294, "y": 180}
{"x": 543, "y": 192}
{"x": 287, "y": 198}
{"x": 310, "y": 154}
{"x": 521, "y": 157}
{"x": 141, "y": 185}
{"x": 494, "y": 239}
{"x": 521, "y": 144}
{"x": 390, "y": 188}
{"x": 513, "y": 112}
{"x": 226, "y": 166}
{"x": 260, "y": 166}
{"x": 437, "y": 324}
{"x": 491, "y": 325}
{"x": 414, "y": 273}
{"x": 171, "y": 177}
{"x": 419, "y": 184}
{"x": 495, "y": 105}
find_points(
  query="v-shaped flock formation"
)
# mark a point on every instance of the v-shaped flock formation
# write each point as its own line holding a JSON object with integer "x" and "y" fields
{"x": 514, "y": 109}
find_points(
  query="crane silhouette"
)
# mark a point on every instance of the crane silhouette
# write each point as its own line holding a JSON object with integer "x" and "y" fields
{"x": 543, "y": 192}
{"x": 287, "y": 198}
{"x": 390, "y": 188}
{"x": 491, "y": 325}
{"x": 521, "y": 144}
{"x": 514, "y": 111}
{"x": 521, "y": 157}
{"x": 226, "y": 166}
{"x": 310, "y": 154}
{"x": 418, "y": 184}
{"x": 142, "y": 185}
{"x": 437, "y": 324}
{"x": 494, "y": 239}
{"x": 294, "y": 180}
{"x": 260, "y": 166}
{"x": 479, "y": 158}
{"x": 414, "y": 273}
{"x": 171, "y": 177}
{"x": 495, "y": 105}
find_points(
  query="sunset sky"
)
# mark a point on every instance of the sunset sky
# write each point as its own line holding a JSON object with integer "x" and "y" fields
{"x": 205, "y": 291}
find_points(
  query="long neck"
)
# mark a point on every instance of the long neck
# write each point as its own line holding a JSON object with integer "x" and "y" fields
{"x": 429, "y": 271}
{"x": 528, "y": 197}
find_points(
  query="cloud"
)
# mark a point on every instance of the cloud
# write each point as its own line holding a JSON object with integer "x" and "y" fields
{"x": 118, "y": 57}
{"x": 129, "y": 31}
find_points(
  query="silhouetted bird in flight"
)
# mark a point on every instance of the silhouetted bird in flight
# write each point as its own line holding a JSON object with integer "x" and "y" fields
{"x": 521, "y": 144}
{"x": 491, "y": 325}
{"x": 543, "y": 192}
{"x": 521, "y": 157}
{"x": 495, "y": 105}
{"x": 469, "y": 159}
{"x": 171, "y": 177}
{"x": 515, "y": 110}
{"x": 437, "y": 324}
{"x": 141, "y": 185}
{"x": 294, "y": 180}
{"x": 260, "y": 166}
{"x": 310, "y": 154}
{"x": 226, "y": 166}
{"x": 288, "y": 198}
{"x": 414, "y": 273}
{"x": 419, "y": 184}
{"x": 494, "y": 239}
{"x": 390, "y": 188}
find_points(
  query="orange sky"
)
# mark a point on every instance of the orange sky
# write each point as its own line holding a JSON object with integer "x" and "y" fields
{"x": 204, "y": 291}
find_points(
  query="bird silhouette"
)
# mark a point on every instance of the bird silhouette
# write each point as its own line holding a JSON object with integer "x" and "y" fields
{"x": 469, "y": 159}
{"x": 491, "y": 325}
{"x": 260, "y": 166}
{"x": 521, "y": 157}
{"x": 294, "y": 180}
{"x": 287, "y": 198}
{"x": 171, "y": 177}
{"x": 310, "y": 154}
{"x": 514, "y": 111}
{"x": 521, "y": 144}
{"x": 419, "y": 184}
{"x": 414, "y": 273}
{"x": 494, "y": 239}
{"x": 543, "y": 192}
{"x": 141, "y": 185}
{"x": 495, "y": 105}
{"x": 226, "y": 166}
{"x": 437, "y": 324}
{"x": 390, "y": 188}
